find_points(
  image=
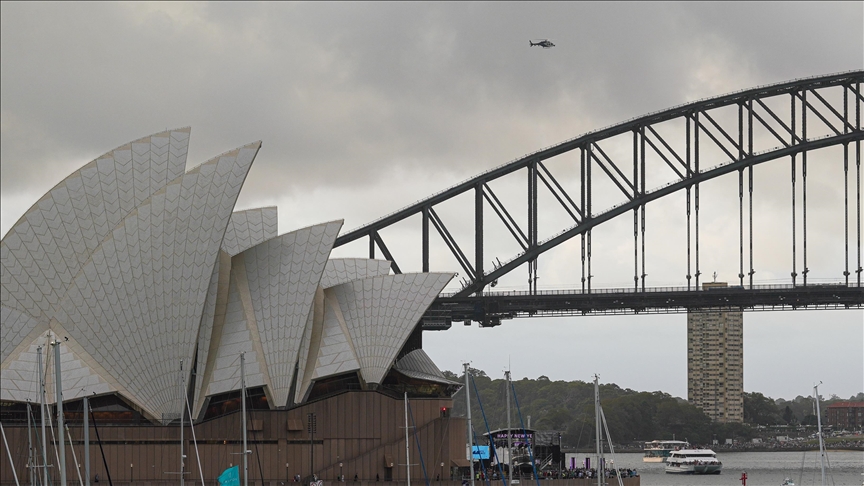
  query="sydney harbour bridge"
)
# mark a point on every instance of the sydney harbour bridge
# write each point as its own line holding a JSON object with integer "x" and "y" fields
{"x": 683, "y": 147}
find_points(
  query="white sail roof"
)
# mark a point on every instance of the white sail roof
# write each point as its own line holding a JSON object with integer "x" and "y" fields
{"x": 249, "y": 228}
{"x": 341, "y": 270}
{"x": 133, "y": 266}
{"x": 49, "y": 245}
{"x": 245, "y": 230}
{"x": 132, "y": 309}
{"x": 418, "y": 364}
{"x": 270, "y": 297}
{"x": 380, "y": 313}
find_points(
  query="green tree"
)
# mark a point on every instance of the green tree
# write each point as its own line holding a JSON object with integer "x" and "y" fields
{"x": 788, "y": 416}
{"x": 761, "y": 410}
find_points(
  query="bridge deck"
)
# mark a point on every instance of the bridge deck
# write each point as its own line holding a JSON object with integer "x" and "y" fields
{"x": 490, "y": 308}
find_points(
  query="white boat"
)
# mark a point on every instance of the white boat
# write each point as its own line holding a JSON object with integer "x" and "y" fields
{"x": 659, "y": 450}
{"x": 693, "y": 461}
{"x": 787, "y": 482}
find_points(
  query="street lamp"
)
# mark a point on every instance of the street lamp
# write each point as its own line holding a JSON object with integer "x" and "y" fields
{"x": 341, "y": 477}
{"x": 442, "y": 472}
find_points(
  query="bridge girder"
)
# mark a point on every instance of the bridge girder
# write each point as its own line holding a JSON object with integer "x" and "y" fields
{"x": 811, "y": 102}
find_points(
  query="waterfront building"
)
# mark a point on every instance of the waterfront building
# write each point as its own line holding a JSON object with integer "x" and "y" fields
{"x": 845, "y": 415}
{"x": 151, "y": 286}
{"x": 715, "y": 361}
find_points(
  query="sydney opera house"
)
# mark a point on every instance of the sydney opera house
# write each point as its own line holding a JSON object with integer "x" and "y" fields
{"x": 152, "y": 286}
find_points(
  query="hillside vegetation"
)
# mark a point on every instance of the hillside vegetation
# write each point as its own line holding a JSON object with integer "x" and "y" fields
{"x": 632, "y": 416}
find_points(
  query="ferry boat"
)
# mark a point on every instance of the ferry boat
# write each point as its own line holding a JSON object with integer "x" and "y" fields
{"x": 693, "y": 461}
{"x": 659, "y": 450}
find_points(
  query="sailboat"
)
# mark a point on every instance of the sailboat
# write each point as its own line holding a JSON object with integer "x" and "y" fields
{"x": 407, "y": 444}
{"x": 231, "y": 475}
{"x": 62, "y": 430}
{"x": 246, "y": 451}
{"x": 819, "y": 429}
{"x": 470, "y": 428}
{"x": 43, "y": 407}
{"x": 522, "y": 462}
{"x": 61, "y": 439}
{"x": 509, "y": 435}
{"x": 185, "y": 407}
{"x": 599, "y": 426}
{"x": 9, "y": 452}
{"x": 789, "y": 482}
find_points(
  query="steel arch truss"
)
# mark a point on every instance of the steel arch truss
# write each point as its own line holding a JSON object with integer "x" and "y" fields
{"x": 789, "y": 114}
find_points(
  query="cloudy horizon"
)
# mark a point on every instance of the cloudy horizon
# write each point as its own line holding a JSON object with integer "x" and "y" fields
{"x": 354, "y": 101}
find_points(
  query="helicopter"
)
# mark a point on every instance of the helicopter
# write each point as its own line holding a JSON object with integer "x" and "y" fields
{"x": 544, "y": 43}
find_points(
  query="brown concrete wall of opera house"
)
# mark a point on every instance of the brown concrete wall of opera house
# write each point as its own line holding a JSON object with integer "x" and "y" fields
{"x": 636, "y": 481}
{"x": 360, "y": 429}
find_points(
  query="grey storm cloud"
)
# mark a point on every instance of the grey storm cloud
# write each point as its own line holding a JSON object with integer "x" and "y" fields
{"x": 364, "y": 87}
{"x": 364, "y": 108}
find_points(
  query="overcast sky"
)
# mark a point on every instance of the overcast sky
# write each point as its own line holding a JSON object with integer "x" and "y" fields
{"x": 364, "y": 108}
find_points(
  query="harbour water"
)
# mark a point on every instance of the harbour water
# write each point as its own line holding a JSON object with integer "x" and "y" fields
{"x": 763, "y": 469}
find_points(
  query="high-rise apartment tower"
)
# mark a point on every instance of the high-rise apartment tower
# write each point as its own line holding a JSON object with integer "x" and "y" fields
{"x": 715, "y": 361}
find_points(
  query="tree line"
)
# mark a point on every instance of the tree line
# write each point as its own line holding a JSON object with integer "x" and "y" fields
{"x": 632, "y": 416}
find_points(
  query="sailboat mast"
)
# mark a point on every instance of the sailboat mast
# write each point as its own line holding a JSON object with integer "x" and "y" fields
{"x": 243, "y": 418}
{"x": 819, "y": 424}
{"x": 86, "y": 441}
{"x": 30, "y": 461}
{"x": 509, "y": 435}
{"x": 597, "y": 432}
{"x": 182, "y": 455}
{"x": 407, "y": 448}
{"x": 9, "y": 453}
{"x": 470, "y": 427}
{"x": 42, "y": 414}
{"x": 60, "y": 418}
